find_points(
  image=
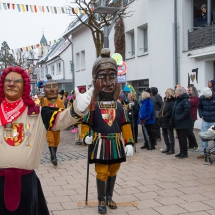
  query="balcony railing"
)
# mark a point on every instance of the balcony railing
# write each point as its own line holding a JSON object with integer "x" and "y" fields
{"x": 200, "y": 37}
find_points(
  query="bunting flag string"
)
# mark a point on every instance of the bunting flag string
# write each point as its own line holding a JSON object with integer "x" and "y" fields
{"x": 29, "y": 48}
{"x": 41, "y": 9}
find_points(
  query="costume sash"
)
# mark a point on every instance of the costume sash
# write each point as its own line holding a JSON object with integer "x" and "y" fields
{"x": 12, "y": 186}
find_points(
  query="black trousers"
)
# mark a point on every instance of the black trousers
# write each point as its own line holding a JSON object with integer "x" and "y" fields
{"x": 146, "y": 136}
{"x": 134, "y": 131}
{"x": 169, "y": 139}
{"x": 191, "y": 137}
{"x": 182, "y": 138}
{"x": 32, "y": 200}
{"x": 158, "y": 131}
{"x": 151, "y": 136}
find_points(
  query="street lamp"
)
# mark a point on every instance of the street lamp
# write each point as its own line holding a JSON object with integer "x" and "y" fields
{"x": 107, "y": 10}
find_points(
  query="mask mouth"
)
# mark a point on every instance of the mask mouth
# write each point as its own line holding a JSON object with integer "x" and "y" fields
{"x": 108, "y": 89}
{"x": 106, "y": 96}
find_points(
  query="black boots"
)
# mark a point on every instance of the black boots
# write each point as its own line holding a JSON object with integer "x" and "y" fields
{"x": 109, "y": 192}
{"x": 101, "y": 189}
{"x": 53, "y": 151}
{"x": 170, "y": 152}
{"x": 165, "y": 150}
{"x": 183, "y": 155}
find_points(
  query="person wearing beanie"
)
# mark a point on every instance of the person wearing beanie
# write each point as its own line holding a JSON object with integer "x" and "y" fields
{"x": 206, "y": 109}
{"x": 23, "y": 130}
{"x": 124, "y": 96}
{"x": 111, "y": 130}
{"x": 211, "y": 84}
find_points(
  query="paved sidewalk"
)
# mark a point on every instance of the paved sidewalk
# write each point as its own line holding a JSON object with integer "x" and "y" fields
{"x": 155, "y": 183}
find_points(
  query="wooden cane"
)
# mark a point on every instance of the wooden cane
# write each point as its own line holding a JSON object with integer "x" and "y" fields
{"x": 91, "y": 109}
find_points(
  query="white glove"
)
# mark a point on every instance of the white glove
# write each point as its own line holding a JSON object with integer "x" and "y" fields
{"x": 83, "y": 99}
{"x": 88, "y": 140}
{"x": 129, "y": 150}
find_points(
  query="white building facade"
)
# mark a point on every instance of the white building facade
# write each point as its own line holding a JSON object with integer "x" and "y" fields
{"x": 166, "y": 44}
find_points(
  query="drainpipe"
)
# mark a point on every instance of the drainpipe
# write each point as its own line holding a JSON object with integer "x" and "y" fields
{"x": 63, "y": 68}
{"x": 209, "y": 12}
{"x": 73, "y": 70}
{"x": 176, "y": 43}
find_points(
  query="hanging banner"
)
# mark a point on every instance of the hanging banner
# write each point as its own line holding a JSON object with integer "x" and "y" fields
{"x": 42, "y": 9}
{"x": 29, "y": 48}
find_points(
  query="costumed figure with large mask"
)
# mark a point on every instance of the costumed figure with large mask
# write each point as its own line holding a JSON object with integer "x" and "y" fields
{"x": 51, "y": 99}
{"x": 112, "y": 136}
{"x": 23, "y": 128}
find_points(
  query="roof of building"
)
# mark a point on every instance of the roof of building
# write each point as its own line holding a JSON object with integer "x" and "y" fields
{"x": 64, "y": 44}
{"x": 43, "y": 40}
{"x": 75, "y": 24}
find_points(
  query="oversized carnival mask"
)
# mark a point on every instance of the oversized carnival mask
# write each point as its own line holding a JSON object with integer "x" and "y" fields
{"x": 13, "y": 86}
{"x": 105, "y": 77}
{"x": 51, "y": 89}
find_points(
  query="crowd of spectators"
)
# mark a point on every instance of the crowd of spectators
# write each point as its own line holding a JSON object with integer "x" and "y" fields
{"x": 174, "y": 115}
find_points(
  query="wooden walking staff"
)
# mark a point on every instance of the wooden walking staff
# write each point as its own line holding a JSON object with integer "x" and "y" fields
{"x": 91, "y": 109}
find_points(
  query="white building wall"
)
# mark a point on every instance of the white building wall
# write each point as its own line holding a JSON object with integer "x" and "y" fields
{"x": 158, "y": 64}
{"x": 83, "y": 42}
{"x": 188, "y": 63}
{"x": 67, "y": 57}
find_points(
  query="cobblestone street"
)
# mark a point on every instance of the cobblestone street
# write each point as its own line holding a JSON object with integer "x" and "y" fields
{"x": 155, "y": 184}
{"x": 67, "y": 149}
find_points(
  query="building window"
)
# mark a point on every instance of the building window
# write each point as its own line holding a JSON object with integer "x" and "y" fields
{"x": 59, "y": 67}
{"x": 77, "y": 62}
{"x": 198, "y": 19}
{"x": 127, "y": 2}
{"x": 82, "y": 60}
{"x": 142, "y": 40}
{"x": 139, "y": 85}
{"x": 130, "y": 44}
{"x": 53, "y": 73}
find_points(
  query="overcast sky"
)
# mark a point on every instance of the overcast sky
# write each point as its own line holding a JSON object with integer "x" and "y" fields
{"x": 21, "y": 29}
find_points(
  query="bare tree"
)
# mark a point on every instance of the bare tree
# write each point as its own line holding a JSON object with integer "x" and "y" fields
{"x": 119, "y": 37}
{"x": 5, "y": 57}
{"x": 96, "y": 22}
{"x": 23, "y": 59}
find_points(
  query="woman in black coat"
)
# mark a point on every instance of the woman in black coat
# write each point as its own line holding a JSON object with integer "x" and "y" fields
{"x": 133, "y": 106}
{"x": 165, "y": 116}
{"x": 182, "y": 120}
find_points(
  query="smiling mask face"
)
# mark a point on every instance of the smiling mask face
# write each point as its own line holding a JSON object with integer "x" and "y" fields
{"x": 13, "y": 86}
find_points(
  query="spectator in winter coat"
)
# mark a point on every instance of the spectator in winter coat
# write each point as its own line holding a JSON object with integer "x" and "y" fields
{"x": 211, "y": 85}
{"x": 124, "y": 95}
{"x": 194, "y": 100}
{"x": 154, "y": 126}
{"x": 165, "y": 116}
{"x": 146, "y": 116}
{"x": 157, "y": 109}
{"x": 206, "y": 109}
{"x": 133, "y": 112}
{"x": 182, "y": 120}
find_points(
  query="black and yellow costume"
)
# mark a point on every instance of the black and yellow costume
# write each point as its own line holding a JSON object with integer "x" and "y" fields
{"x": 111, "y": 132}
{"x": 53, "y": 137}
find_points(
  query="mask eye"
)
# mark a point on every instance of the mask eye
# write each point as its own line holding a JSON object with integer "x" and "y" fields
{"x": 101, "y": 76}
